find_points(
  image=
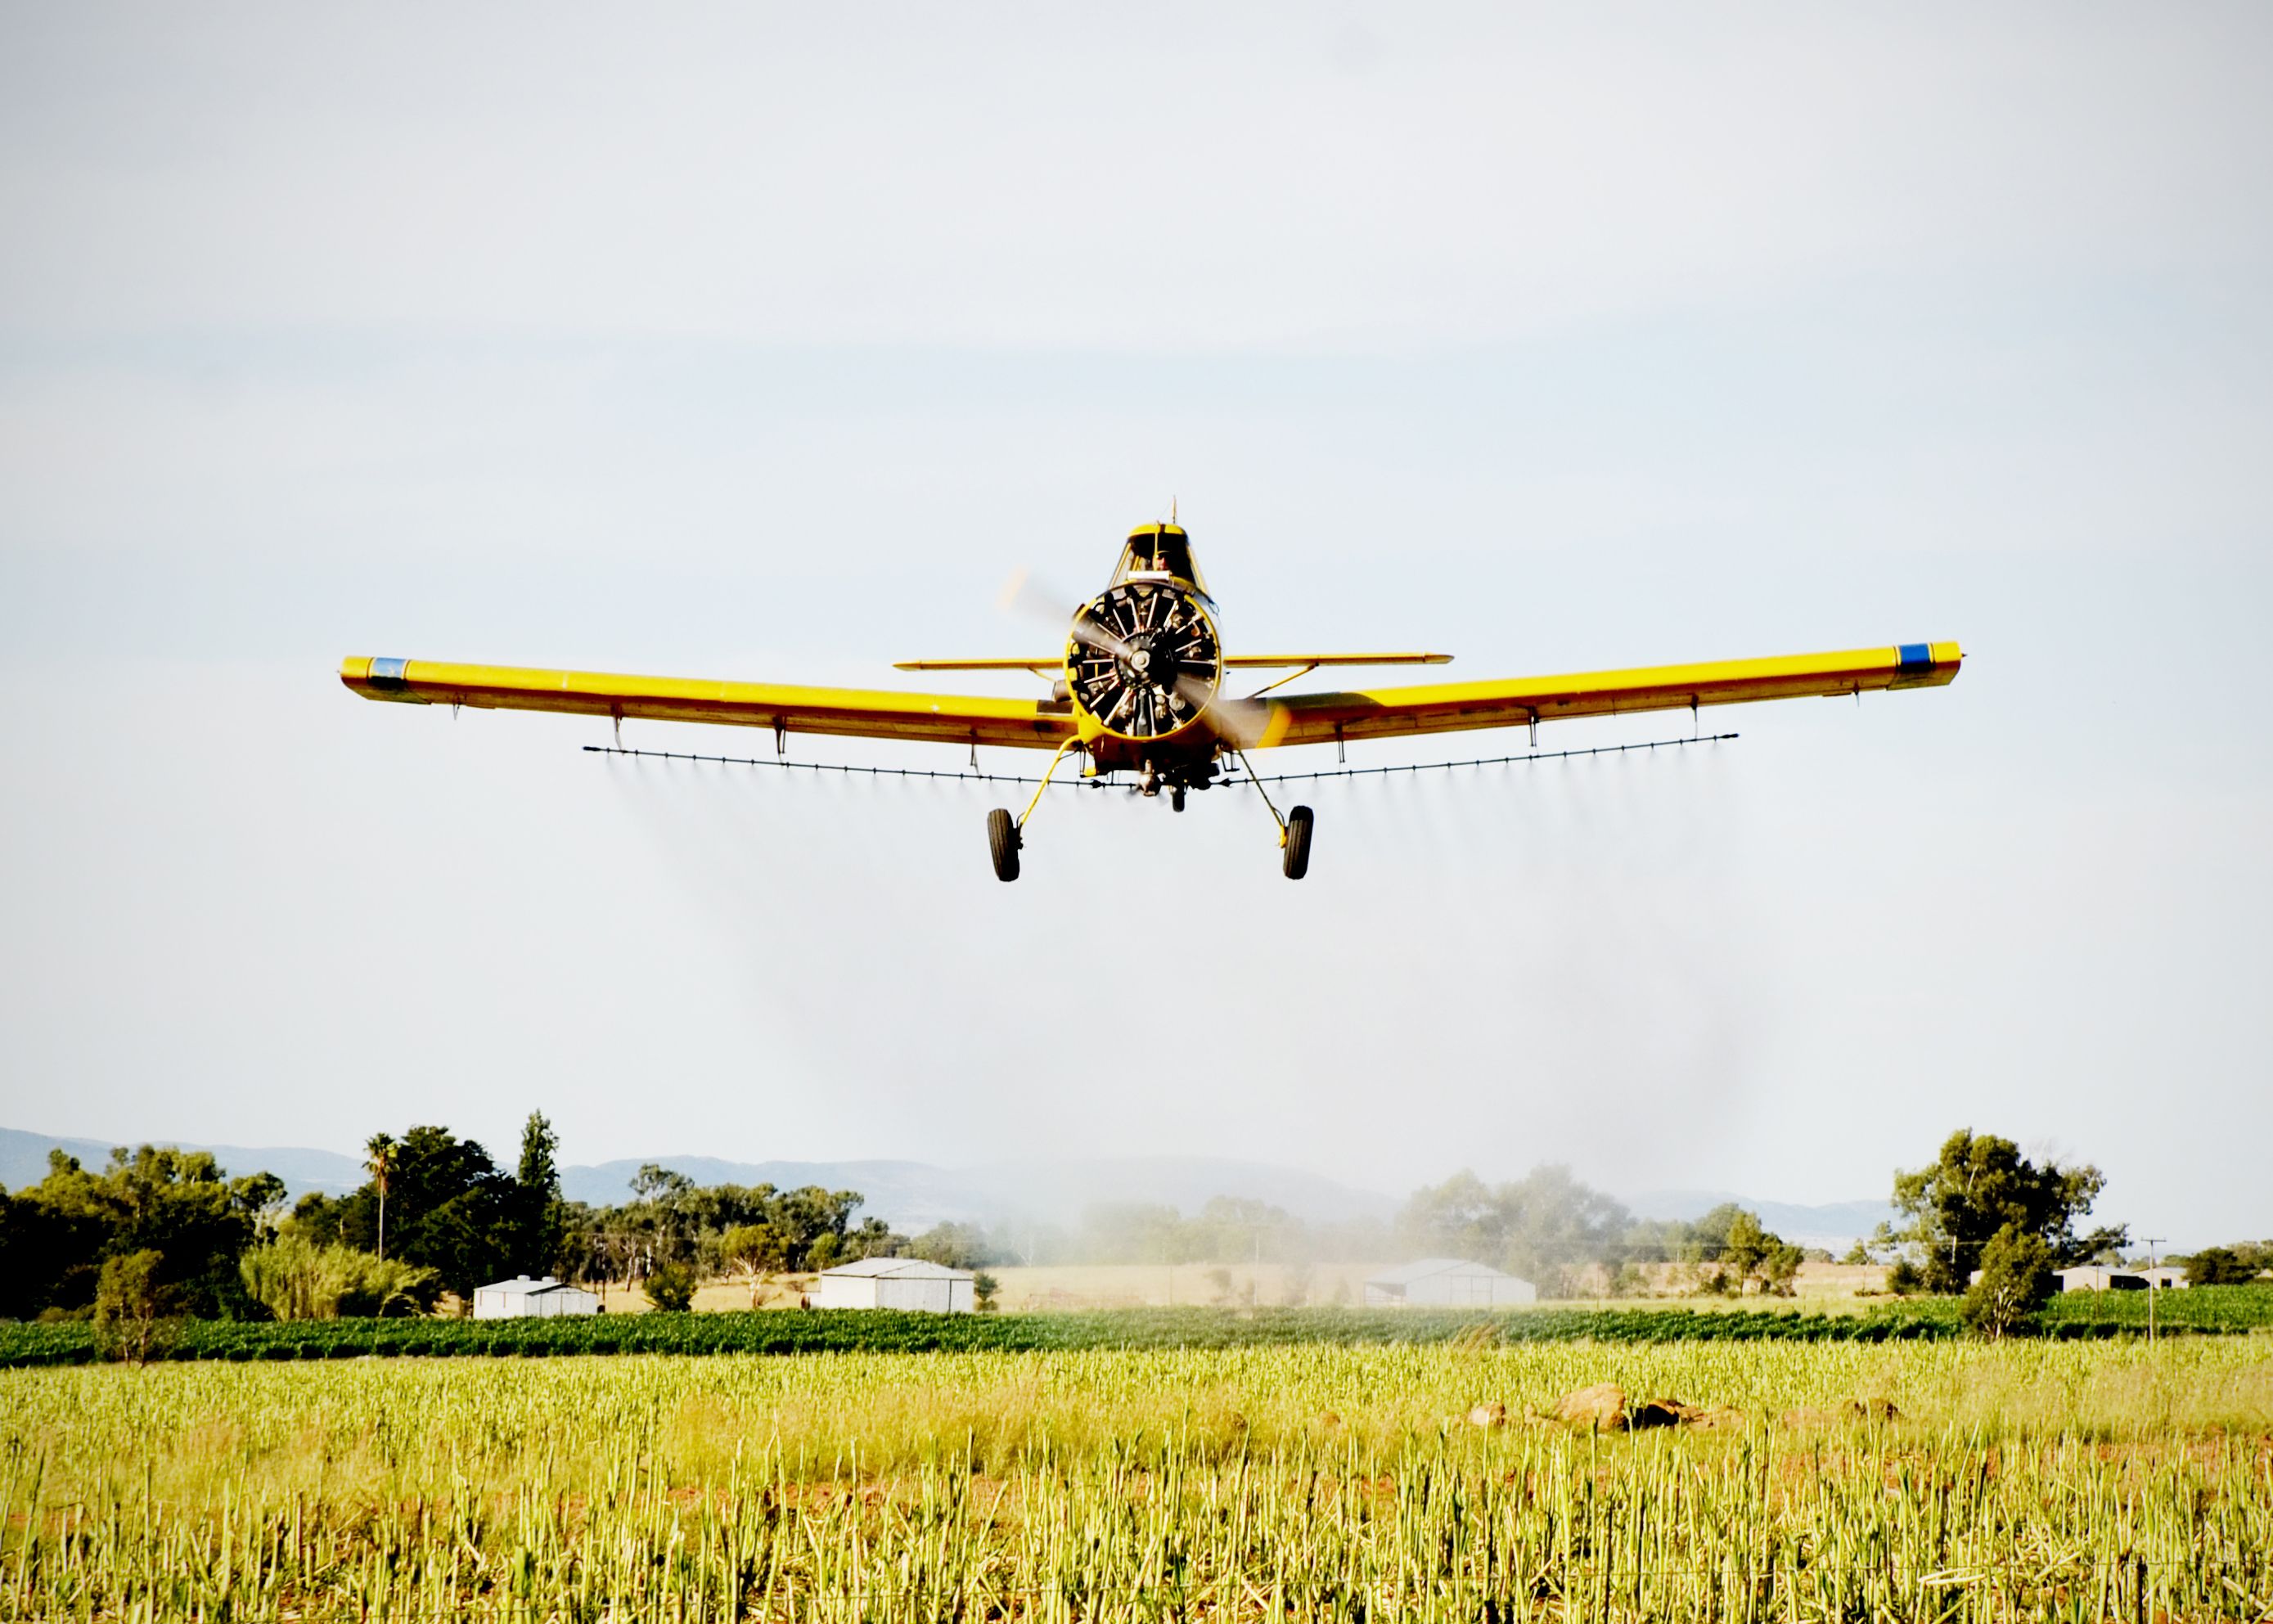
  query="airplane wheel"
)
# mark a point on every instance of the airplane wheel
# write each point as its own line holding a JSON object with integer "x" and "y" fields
{"x": 1176, "y": 798}
{"x": 1297, "y": 859}
{"x": 1003, "y": 843}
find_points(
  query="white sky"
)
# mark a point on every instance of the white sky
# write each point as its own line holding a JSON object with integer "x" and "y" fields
{"x": 765, "y": 342}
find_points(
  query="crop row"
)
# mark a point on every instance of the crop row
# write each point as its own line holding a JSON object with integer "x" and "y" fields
{"x": 880, "y": 1331}
{"x": 2204, "y": 1308}
{"x": 778, "y": 1332}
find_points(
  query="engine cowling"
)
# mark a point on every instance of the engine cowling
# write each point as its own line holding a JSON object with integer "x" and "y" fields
{"x": 1143, "y": 660}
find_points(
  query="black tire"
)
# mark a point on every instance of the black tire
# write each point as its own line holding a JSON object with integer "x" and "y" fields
{"x": 1297, "y": 860}
{"x": 1003, "y": 843}
{"x": 1176, "y": 798}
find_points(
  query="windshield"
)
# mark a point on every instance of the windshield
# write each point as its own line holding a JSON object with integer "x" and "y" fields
{"x": 1160, "y": 550}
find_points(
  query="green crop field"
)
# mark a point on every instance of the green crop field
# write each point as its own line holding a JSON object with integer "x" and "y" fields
{"x": 2216, "y": 1310}
{"x": 2206, "y": 1308}
{"x": 847, "y": 1331}
{"x": 2049, "y": 1479}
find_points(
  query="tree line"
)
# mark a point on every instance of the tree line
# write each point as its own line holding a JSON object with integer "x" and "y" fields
{"x": 165, "y": 1231}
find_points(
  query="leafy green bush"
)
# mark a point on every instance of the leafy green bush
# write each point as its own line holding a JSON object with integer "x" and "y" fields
{"x": 671, "y": 1288}
{"x": 2016, "y": 1280}
{"x": 294, "y": 1278}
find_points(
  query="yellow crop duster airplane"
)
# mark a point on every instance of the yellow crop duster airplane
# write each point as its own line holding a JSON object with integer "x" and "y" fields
{"x": 1139, "y": 689}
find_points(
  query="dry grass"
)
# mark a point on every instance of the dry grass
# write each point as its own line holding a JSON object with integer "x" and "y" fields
{"x": 2037, "y": 1480}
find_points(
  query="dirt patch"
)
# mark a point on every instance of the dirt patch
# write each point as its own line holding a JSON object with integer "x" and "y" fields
{"x": 1842, "y": 1412}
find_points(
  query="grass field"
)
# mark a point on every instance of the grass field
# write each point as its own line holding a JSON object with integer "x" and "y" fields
{"x": 2047, "y": 1480}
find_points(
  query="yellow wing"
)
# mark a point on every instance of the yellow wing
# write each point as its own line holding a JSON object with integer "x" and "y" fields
{"x": 1456, "y": 706}
{"x": 858, "y": 713}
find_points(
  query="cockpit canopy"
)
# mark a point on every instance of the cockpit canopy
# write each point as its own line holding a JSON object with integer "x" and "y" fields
{"x": 1159, "y": 552}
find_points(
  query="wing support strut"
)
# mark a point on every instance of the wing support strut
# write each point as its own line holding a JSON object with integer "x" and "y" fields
{"x": 1283, "y": 681}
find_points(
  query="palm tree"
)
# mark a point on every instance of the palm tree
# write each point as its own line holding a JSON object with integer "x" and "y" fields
{"x": 381, "y": 1150}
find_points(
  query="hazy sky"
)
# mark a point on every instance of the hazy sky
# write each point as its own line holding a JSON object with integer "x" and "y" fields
{"x": 765, "y": 341}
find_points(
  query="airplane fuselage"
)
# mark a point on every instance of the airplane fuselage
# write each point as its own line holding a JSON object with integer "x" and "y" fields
{"x": 1144, "y": 666}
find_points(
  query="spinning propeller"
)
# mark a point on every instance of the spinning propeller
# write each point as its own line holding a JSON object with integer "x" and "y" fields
{"x": 1146, "y": 660}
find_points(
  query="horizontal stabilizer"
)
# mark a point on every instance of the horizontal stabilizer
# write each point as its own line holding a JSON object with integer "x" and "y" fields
{"x": 1051, "y": 663}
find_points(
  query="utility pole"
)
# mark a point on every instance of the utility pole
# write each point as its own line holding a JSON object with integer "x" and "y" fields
{"x": 2153, "y": 1284}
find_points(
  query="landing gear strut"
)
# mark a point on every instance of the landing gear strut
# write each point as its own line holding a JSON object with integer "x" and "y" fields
{"x": 1293, "y": 828}
{"x": 1005, "y": 835}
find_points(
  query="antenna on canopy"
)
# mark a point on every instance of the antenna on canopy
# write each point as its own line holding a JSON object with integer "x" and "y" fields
{"x": 1172, "y": 510}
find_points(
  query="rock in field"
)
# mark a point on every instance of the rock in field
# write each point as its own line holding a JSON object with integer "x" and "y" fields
{"x": 1601, "y": 1408}
{"x": 1659, "y": 1412}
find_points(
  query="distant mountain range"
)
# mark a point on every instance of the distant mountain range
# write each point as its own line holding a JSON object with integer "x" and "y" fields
{"x": 912, "y": 1196}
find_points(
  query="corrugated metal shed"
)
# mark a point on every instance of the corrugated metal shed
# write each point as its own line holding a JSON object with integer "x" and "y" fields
{"x": 2099, "y": 1277}
{"x": 522, "y": 1297}
{"x": 894, "y": 1282}
{"x": 1447, "y": 1283}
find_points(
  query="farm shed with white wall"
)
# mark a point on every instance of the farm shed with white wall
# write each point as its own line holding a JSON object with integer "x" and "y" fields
{"x": 1447, "y": 1283}
{"x": 2102, "y": 1277}
{"x": 894, "y": 1282}
{"x": 2098, "y": 1278}
{"x": 524, "y": 1298}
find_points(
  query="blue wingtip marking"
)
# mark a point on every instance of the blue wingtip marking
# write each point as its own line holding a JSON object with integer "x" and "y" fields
{"x": 386, "y": 673}
{"x": 1915, "y": 657}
